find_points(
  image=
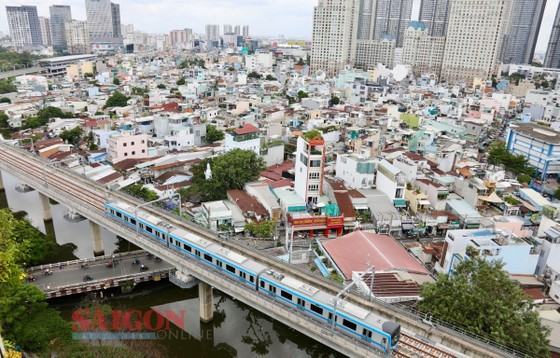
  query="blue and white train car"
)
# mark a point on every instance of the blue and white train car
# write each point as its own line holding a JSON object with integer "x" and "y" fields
{"x": 350, "y": 318}
{"x": 235, "y": 265}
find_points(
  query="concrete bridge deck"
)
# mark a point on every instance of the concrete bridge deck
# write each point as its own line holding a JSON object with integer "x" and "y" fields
{"x": 87, "y": 198}
{"x": 67, "y": 278}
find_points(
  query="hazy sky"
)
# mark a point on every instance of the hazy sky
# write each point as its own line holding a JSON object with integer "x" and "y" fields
{"x": 292, "y": 18}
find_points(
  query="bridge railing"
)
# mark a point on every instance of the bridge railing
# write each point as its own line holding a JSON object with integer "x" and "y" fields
{"x": 409, "y": 312}
{"x": 89, "y": 260}
{"x": 48, "y": 289}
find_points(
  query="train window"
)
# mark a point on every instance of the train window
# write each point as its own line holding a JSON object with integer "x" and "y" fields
{"x": 157, "y": 234}
{"x": 119, "y": 215}
{"x": 366, "y": 332}
{"x": 112, "y": 211}
{"x": 316, "y": 309}
{"x": 187, "y": 247}
{"x": 125, "y": 218}
{"x": 230, "y": 268}
{"x": 208, "y": 257}
{"x": 330, "y": 315}
{"x": 133, "y": 221}
{"x": 141, "y": 226}
{"x": 197, "y": 253}
{"x": 219, "y": 263}
{"x": 149, "y": 229}
{"x": 171, "y": 240}
{"x": 349, "y": 324}
{"x": 272, "y": 288}
{"x": 243, "y": 275}
{"x": 300, "y": 302}
{"x": 177, "y": 243}
{"x": 286, "y": 295}
{"x": 262, "y": 284}
{"x": 251, "y": 279}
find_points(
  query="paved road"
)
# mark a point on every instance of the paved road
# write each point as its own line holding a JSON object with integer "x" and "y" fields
{"x": 20, "y": 72}
{"x": 74, "y": 274}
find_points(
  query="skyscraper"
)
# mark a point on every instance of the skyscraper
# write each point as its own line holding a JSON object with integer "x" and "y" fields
{"x": 77, "y": 37}
{"x": 524, "y": 26}
{"x": 212, "y": 32}
{"x": 366, "y": 19}
{"x": 475, "y": 35}
{"x": 334, "y": 35}
{"x": 552, "y": 58}
{"x": 59, "y": 15}
{"x": 104, "y": 25}
{"x": 228, "y": 29}
{"x": 422, "y": 52}
{"x": 24, "y": 25}
{"x": 116, "y": 17}
{"x": 245, "y": 30}
{"x": 435, "y": 14}
{"x": 391, "y": 19}
{"x": 45, "y": 30}
{"x": 237, "y": 30}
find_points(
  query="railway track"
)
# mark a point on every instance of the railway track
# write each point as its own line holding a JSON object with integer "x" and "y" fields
{"x": 94, "y": 195}
{"x": 410, "y": 347}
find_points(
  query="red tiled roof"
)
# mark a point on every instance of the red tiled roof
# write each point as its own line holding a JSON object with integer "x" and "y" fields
{"x": 359, "y": 250}
{"x": 345, "y": 204}
{"x": 47, "y": 143}
{"x": 109, "y": 178}
{"x": 246, "y": 202}
{"x": 336, "y": 185}
{"x": 355, "y": 194}
{"x": 246, "y": 129}
{"x": 281, "y": 183}
{"x": 388, "y": 284}
{"x": 414, "y": 156}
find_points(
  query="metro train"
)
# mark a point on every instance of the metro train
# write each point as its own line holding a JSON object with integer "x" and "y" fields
{"x": 356, "y": 321}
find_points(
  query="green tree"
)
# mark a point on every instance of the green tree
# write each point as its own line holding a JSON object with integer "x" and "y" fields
{"x": 262, "y": 229}
{"x": 139, "y": 91}
{"x": 270, "y": 78}
{"x": 517, "y": 164}
{"x": 4, "y": 120}
{"x": 139, "y": 191}
{"x": 180, "y": 82}
{"x": 480, "y": 297}
{"x": 254, "y": 75}
{"x": 213, "y": 134}
{"x": 302, "y": 94}
{"x": 231, "y": 170}
{"x": 117, "y": 99}
{"x": 116, "y": 81}
{"x": 7, "y": 86}
{"x": 334, "y": 101}
{"x": 24, "y": 316}
{"x": 53, "y": 112}
{"x": 72, "y": 136}
{"x": 557, "y": 193}
{"x": 524, "y": 178}
{"x": 161, "y": 86}
{"x": 5, "y": 100}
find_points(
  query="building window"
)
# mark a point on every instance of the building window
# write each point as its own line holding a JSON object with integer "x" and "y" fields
{"x": 124, "y": 144}
{"x": 314, "y": 175}
{"x": 126, "y": 154}
{"x": 313, "y": 187}
{"x": 133, "y": 152}
{"x": 131, "y": 143}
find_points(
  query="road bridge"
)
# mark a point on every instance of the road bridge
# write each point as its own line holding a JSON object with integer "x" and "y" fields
{"x": 87, "y": 198}
{"x": 119, "y": 270}
{"x": 20, "y": 72}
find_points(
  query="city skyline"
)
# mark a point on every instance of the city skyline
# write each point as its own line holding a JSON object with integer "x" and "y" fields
{"x": 294, "y": 18}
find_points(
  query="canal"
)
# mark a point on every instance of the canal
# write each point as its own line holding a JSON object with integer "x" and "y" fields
{"x": 236, "y": 331}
